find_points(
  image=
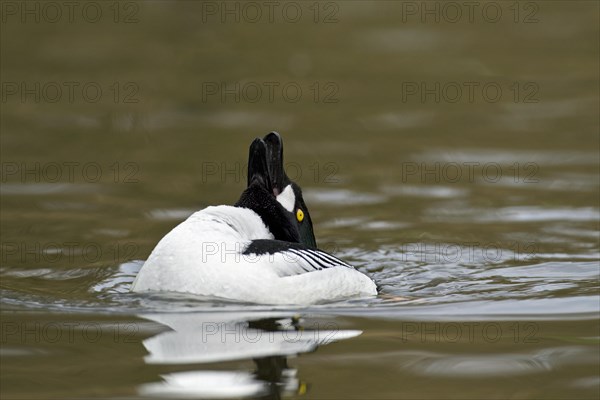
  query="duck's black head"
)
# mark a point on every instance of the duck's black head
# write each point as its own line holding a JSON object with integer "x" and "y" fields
{"x": 273, "y": 196}
{"x": 287, "y": 192}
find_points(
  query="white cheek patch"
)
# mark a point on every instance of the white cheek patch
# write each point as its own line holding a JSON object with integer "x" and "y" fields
{"x": 287, "y": 198}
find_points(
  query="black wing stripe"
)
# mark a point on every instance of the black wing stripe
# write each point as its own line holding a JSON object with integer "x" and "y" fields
{"x": 317, "y": 265}
{"x": 304, "y": 257}
{"x": 326, "y": 261}
{"x": 318, "y": 260}
{"x": 333, "y": 260}
{"x": 325, "y": 257}
{"x": 305, "y": 269}
{"x": 310, "y": 259}
{"x": 329, "y": 258}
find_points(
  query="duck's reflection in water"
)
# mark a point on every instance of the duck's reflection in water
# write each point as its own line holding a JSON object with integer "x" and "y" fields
{"x": 268, "y": 339}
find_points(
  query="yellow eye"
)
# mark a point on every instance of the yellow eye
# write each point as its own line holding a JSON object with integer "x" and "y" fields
{"x": 299, "y": 215}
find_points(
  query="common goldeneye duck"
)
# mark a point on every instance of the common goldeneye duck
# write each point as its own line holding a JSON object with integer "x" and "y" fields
{"x": 260, "y": 250}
